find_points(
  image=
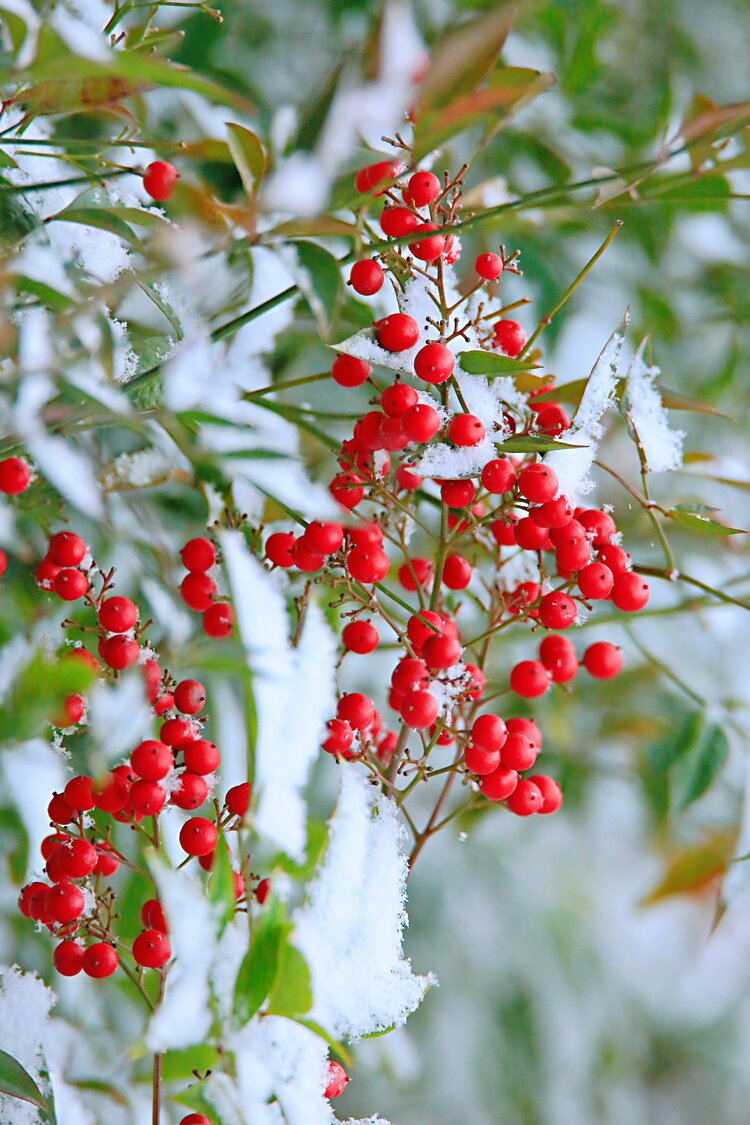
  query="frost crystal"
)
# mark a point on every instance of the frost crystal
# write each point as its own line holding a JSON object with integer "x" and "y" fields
{"x": 661, "y": 445}
{"x": 351, "y": 930}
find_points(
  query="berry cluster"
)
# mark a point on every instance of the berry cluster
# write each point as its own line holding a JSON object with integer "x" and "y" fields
{"x": 198, "y": 590}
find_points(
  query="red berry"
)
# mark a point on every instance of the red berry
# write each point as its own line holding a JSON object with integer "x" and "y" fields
{"x": 77, "y": 858}
{"x": 457, "y": 493}
{"x": 201, "y": 756}
{"x": 198, "y": 836}
{"x": 526, "y": 799}
{"x": 151, "y": 949}
{"x": 366, "y": 535}
{"x": 415, "y": 572}
{"x": 614, "y": 557}
{"x": 339, "y": 738}
{"x": 366, "y": 277}
{"x": 218, "y": 621}
{"x": 71, "y": 712}
{"x": 347, "y": 489}
{"x": 190, "y": 793}
{"x": 304, "y": 558}
{"x": 529, "y": 678}
{"x": 434, "y": 362}
{"x": 527, "y": 727}
{"x": 537, "y": 483}
{"x": 99, "y": 960}
{"x": 111, "y": 791}
{"x": 572, "y": 556}
{"x": 348, "y": 371}
{"x": 367, "y": 564}
{"x": 198, "y": 555}
{"x": 480, "y": 760}
{"x": 147, "y": 798}
{"x": 323, "y": 538}
{"x": 195, "y": 1119}
{"x": 117, "y": 615}
{"x": 559, "y": 658}
{"x": 466, "y": 430}
{"x": 595, "y": 581}
{"x": 504, "y": 531}
{"x": 552, "y": 420}
{"x": 440, "y": 652}
{"x": 410, "y": 674}
{"x": 599, "y": 525}
{"x": 119, "y": 651}
{"x": 420, "y": 422}
{"x": 530, "y": 536}
{"x": 489, "y": 732}
{"x": 456, "y": 572}
{"x": 356, "y": 709}
{"x": 602, "y": 660}
{"x": 419, "y": 709}
{"x": 70, "y": 584}
{"x": 557, "y": 610}
{"x": 498, "y": 785}
{"x": 629, "y": 592}
{"x": 15, "y": 476}
{"x": 553, "y": 514}
{"x": 397, "y": 332}
{"x": 337, "y": 1078}
{"x": 45, "y": 574}
{"x": 396, "y": 222}
{"x": 27, "y": 893}
{"x": 407, "y": 479}
{"x": 360, "y": 637}
{"x": 106, "y": 862}
{"x": 153, "y": 916}
{"x": 59, "y": 811}
{"x": 489, "y": 266}
{"x": 78, "y": 794}
{"x": 159, "y": 179}
{"x": 65, "y": 902}
{"x": 397, "y": 399}
{"x": 66, "y": 549}
{"x": 278, "y": 548}
{"x": 418, "y": 630}
{"x": 262, "y": 891}
{"x": 68, "y": 958}
{"x": 427, "y": 249}
{"x": 197, "y": 591}
{"x": 424, "y": 188}
{"x": 509, "y": 337}
{"x": 152, "y": 760}
{"x": 499, "y": 476}
{"x": 552, "y": 796}
{"x": 190, "y": 697}
{"x": 519, "y": 752}
{"x": 237, "y": 799}
{"x": 375, "y": 174}
{"x": 175, "y": 731}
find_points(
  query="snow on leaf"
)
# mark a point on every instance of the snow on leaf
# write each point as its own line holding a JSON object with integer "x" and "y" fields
{"x": 25, "y": 1004}
{"x": 119, "y": 716}
{"x": 277, "y": 1057}
{"x": 351, "y": 930}
{"x": 642, "y": 403}
{"x": 294, "y": 691}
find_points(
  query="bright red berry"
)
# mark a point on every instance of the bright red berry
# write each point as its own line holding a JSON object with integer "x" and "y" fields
{"x": 119, "y": 651}
{"x": 348, "y": 371}
{"x": 489, "y": 266}
{"x": 237, "y": 799}
{"x": 68, "y": 958}
{"x": 602, "y": 660}
{"x": 323, "y": 538}
{"x": 417, "y": 572}
{"x": 441, "y": 652}
{"x": 117, "y": 615}
{"x": 614, "y": 557}
{"x": 456, "y": 572}
{"x": 552, "y": 420}
{"x": 434, "y": 362}
{"x": 407, "y": 479}
{"x": 466, "y": 430}
{"x": 197, "y": 591}
{"x": 360, "y": 637}
{"x": 499, "y": 476}
{"x": 15, "y": 476}
{"x": 366, "y": 277}
{"x": 198, "y": 836}
{"x": 356, "y": 709}
{"x": 45, "y": 574}
{"x": 367, "y": 564}
{"x": 337, "y": 1078}
{"x": 151, "y": 949}
{"x": 424, "y": 188}
{"x": 339, "y": 738}
{"x": 347, "y": 489}
{"x": 397, "y": 399}
{"x": 457, "y": 493}
{"x": 629, "y": 592}
{"x": 77, "y": 858}
{"x": 191, "y": 792}
{"x": 147, "y": 798}
{"x": 489, "y": 732}
{"x": 190, "y": 697}
{"x": 396, "y": 222}
{"x": 200, "y": 756}
{"x": 304, "y": 558}
{"x": 64, "y": 902}
{"x": 195, "y": 1119}
{"x": 599, "y": 525}
{"x": 419, "y": 709}
{"x": 595, "y": 581}
{"x": 99, "y": 960}
{"x": 198, "y": 555}
{"x": 559, "y": 658}
{"x": 59, "y": 811}
{"x": 510, "y": 337}
{"x": 66, "y": 549}
{"x": 537, "y": 483}
{"x": 78, "y": 794}
{"x": 420, "y": 422}
{"x": 70, "y": 584}
{"x": 519, "y": 752}
{"x": 397, "y": 332}
{"x": 218, "y": 620}
{"x": 159, "y": 179}
{"x": 279, "y": 547}
{"x": 530, "y": 536}
{"x": 529, "y": 679}
{"x": 552, "y": 796}
{"x": 376, "y": 174}
{"x": 481, "y": 761}
{"x": 111, "y": 792}
{"x": 427, "y": 249}
{"x": 498, "y": 785}
{"x": 152, "y": 760}
{"x": 557, "y": 610}
{"x": 526, "y": 799}
{"x": 153, "y": 916}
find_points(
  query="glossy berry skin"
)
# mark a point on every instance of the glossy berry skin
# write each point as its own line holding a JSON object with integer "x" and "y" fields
{"x": 339, "y": 738}
{"x": 509, "y": 337}
{"x": 198, "y": 555}
{"x": 70, "y": 584}
{"x": 99, "y": 960}
{"x": 365, "y": 534}
{"x": 119, "y": 651}
{"x": 614, "y": 557}
{"x": 424, "y": 188}
{"x": 201, "y": 756}
{"x": 218, "y": 621}
{"x": 151, "y": 949}
{"x": 466, "y": 430}
{"x": 153, "y": 916}
{"x": 396, "y": 399}
{"x": 559, "y": 658}
{"x": 552, "y": 420}
{"x": 537, "y": 483}
{"x": 519, "y": 752}
{"x": 553, "y": 513}
{"x": 529, "y": 679}
{"x": 59, "y": 811}
{"x": 434, "y": 363}
{"x": 481, "y": 761}
{"x": 237, "y": 799}
{"x": 419, "y": 709}
{"x": 441, "y": 652}
{"x": 107, "y": 862}
{"x": 457, "y": 493}
{"x": 599, "y": 525}
{"x": 530, "y": 536}
{"x": 420, "y": 422}
{"x": 198, "y": 836}
{"x": 488, "y": 266}
{"x": 66, "y": 549}
{"x": 456, "y": 572}
{"x": 629, "y": 592}
{"x": 64, "y": 902}
{"x": 525, "y": 726}
{"x": 407, "y": 479}
{"x": 278, "y": 548}
{"x": 78, "y": 794}
{"x": 191, "y": 792}
{"x": 337, "y": 1078}
{"x": 197, "y": 591}
{"x": 305, "y": 559}
{"x": 147, "y": 798}
{"x": 498, "y": 476}
{"x": 526, "y": 799}
{"x": 552, "y": 797}
{"x": 356, "y": 709}
{"x": 376, "y": 174}
{"x": 397, "y": 332}
{"x": 367, "y": 565}
{"x": 427, "y": 249}
{"x": 15, "y": 476}
{"x": 418, "y": 572}
{"x": 499, "y": 785}
{"x": 347, "y": 489}
{"x": 175, "y": 731}
{"x": 595, "y": 581}
{"x": 323, "y": 538}
{"x": 152, "y": 760}
{"x": 159, "y": 180}
{"x": 111, "y": 792}
{"x": 396, "y": 222}
{"x": 348, "y": 371}
{"x": 68, "y": 958}
{"x": 366, "y": 277}
{"x": 489, "y": 732}
{"x": 602, "y": 660}
{"x": 360, "y": 637}
{"x": 45, "y": 574}
{"x": 117, "y": 615}
{"x": 557, "y": 610}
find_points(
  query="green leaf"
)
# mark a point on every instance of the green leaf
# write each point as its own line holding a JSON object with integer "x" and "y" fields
{"x": 691, "y": 870}
{"x": 17, "y": 848}
{"x": 337, "y": 1047}
{"x": 221, "y": 885}
{"x": 318, "y": 276}
{"x": 317, "y": 837}
{"x": 248, "y": 155}
{"x": 488, "y": 363}
{"x": 16, "y": 1083}
{"x": 533, "y": 443}
{"x": 291, "y": 994}
{"x": 37, "y": 695}
{"x": 178, "y": 1066}
{"x": 463, "y": 58}
{"x": 696, "y": 770}
{"x": 259, "y": 967}
{"x": 100, "y": 218}
{"x": 696, "y": 521}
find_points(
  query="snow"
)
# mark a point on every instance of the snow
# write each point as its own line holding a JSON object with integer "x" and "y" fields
{"x": 25, "y": 1004}
{"x": 351, "y": 929}
{"x": 119, "y": 717}
{"x": 281, "y": 1058}
{"x": 32, "y": 771}
{"x": 293, "y": 689}
{"x": 661, "y": 445}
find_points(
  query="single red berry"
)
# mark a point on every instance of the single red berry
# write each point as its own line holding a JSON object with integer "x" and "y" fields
{"x": 572, "y": 556}
{"x": 457, "y": 493}
{"x": 71, "y": 712}
{"x": 407, "y": 479}
{"x": 339, "y": 738}
{"x": 527, "y": 727}
{"x": 553, "y": 513}
{"x": 480, "y": 760}
{"x": 65, "y": 902}
{"x": 466, "y": 430}
{"x": 504, "y": 531}
{"x": 366, "y": 277}
{"x": 304, "y": 558}
{"x": 218, "y": 620}
{"x": 365, "y": 534}
{"x": 197, "y": 591}
{"x": 427, "y": 249}
{"x": 489, "y": 266}
{"x": 198, "y": 836}
{"x": 553, "y": 420}
{"x": 368, "y": 431}
{"x": 537, "y": 483}
{"x": 190, "y": 697}
{"x": 489, "y": 732}
{"x": 519, "y": 752}
{"x": 526, "y": 799}
{"x": 629, "y": 592}
{"x": 323, "y": 538}
{"x": 151, "y": 949}
{"x": 78, "y": 794}
{"x": 434, "y": 363}
{"x": 441, "y": 652}
{"x": 569, "y": 534}
{"x": 599, "y": 525}
{"x": 77, "y": 858}
{"x": 424, "y": 188}
{"x": 595, "y": 581}
{"x": 117, "y": 615}
{"x": 27, "y": 893}
{"x": 191, "y": 792}
{"x": 70, "y": 584}
{"x": 456, "y": 572}
{"x": 415, "y": 572}
{"x": 262, "y": 891}
{"x": 337, "y": 1078}
{"x": 419, "y": 709}
{"x": 356, "y": 709}
{"x": 198, "y": 555}
{"x": 367, "y": 565}
{"x": 45, "y": 574}
{"x": 111, "y": 791}
{"x": 530, "y": 536}
{"x": 59, "y": 811}
{"x": 106, "y": 861}
{"x": 410, "y": 674}
{"x": 175, "y": 731}
{"x": 499, "y": 476}
{"x": 348, "y": 371}
{"x": 529, "y": 679}
{"x": 152, "y": 760}
{"x": 153, "y": 916}
{"x": 614, "y": 557}
{"x": 147, "y": 798}
{"x": 195, "y": 1119}
{"x": 395, "y": 222}
{"x": 237, "y": 799}
{"x": 201, "y": 756}
{"x": 602, "y": 660}
{"x": 418, "y": 628}
{"x": 559, "y": 658}
{"x": 498, "y": 785}
{"x": 557, "y": 610}
{"x": 347, "y": 489}
{"x": 66, "y": 549}
{"x": 99, "y": 960}
{"x": 397, "y": 332}
{"x": 360, "y": 637}
{"x": 15, "y": 476}
{"x": 279, "y": 548}
{"x": 510, "y": 337}
{"x": 376, "y": 174}
{"x": 159, "y": 179}
{"x": 552, "y": 796}
{"x": 420, "y": 422}
{"x": 68, "y": 958}
{"x": 397, "y": 399}
{"x": 119, "y": 651}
